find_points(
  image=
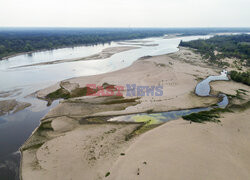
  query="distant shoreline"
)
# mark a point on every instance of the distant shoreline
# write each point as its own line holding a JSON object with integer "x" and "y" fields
{"x": 166, "y": 36}
{"x": 36, "y": 51}
{"x": 105, "y": 53}
{"x": 72, "y": 46}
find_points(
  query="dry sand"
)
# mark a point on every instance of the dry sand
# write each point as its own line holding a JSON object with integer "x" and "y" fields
{"x": 177, "y": 77}
{"x": 86, "y": 152}
{"x": 66, "y": 146}
{"x": 180, "y": 150}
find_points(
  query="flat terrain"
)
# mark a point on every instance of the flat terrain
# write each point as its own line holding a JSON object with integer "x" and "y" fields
{"x": 75, "y": 141}
{"x": 180, "y": 150}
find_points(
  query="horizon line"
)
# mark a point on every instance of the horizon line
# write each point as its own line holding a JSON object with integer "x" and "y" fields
{"x": 197, "y": 27}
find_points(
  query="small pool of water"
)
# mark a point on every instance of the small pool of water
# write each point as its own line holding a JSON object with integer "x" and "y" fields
{"x": 156, "y": 118}
{"x": 224, "y": 102}
{"x": 203, "y": 88}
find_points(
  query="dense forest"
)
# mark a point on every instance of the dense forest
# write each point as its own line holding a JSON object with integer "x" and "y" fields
{"x": 25, "y": 40}
{"x": 227, "y": 46}
{"x": 18, "y": 40}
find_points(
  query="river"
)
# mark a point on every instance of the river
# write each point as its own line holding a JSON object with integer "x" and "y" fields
{"x": 16, "y": 128}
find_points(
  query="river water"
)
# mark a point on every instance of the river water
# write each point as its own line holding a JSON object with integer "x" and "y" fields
{"x": 202, "y": 89}
{"x": 16, "y": 128}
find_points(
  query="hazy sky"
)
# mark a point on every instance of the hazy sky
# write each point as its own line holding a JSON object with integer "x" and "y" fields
{"x": 125, "y": 13}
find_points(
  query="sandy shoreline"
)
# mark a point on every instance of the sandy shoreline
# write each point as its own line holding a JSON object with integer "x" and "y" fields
{"x": 78, "y": 126}
{"x": 136, "y": 44}
{"x": 35, "y": 51}
{"x": 105, "y": 53}
{"x": 12, "y": 106}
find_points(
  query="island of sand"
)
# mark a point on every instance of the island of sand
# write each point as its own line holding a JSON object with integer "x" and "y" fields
{"x": 76, "y": 140}
{"x": 105, "y": 53}
{"x": 12, "y": 106}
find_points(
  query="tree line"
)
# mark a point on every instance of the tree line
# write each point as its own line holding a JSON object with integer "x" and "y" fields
{"x": 18, "y": 40}
{"x": 12, "y": 42}
{"x": 237, "y": 46}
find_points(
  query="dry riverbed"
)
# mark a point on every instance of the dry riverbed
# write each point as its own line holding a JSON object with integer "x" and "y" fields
{"x": 75, "y": 141}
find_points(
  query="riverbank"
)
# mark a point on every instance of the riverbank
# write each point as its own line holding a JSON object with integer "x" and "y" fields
{"x": 105, "y": 53}
{"x": 177, "y": 77}
{"x": 78, "y": 126}
{"x": 12, "y": 106}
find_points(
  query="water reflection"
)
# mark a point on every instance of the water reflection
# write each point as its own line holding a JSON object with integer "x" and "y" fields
{"x": 16, "y": 128}
{"x": 203, "y": 88}
{"x": 31, "y": 79}
{"x": 9, "y": 166}
{"x": 155, "y": 118}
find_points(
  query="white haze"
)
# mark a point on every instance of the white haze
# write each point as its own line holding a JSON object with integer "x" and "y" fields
{"x": 125, "y": 13}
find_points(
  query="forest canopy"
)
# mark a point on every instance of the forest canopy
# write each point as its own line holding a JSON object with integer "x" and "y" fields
{"x": 18, "y": 40}
{"x": 237, "y": 46}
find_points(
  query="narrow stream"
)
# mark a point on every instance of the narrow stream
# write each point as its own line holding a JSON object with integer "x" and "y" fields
{"x": 202, "y": 89}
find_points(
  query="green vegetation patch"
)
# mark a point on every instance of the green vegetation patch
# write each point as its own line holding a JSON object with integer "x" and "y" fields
{"x": 240, "y": 107}
{"x": 107, "y": 85}
{"x": 107, "y": 174}
{"x": 33, "y": 147}
{"x": 203, "y": 116}
{"x": 45, "y": 126}
{"x": 243, "y": 77}
{"x": 78, "y": 92}
{"x": 238, "y": 95}
{"x": 144, "y": 127}
{"x": 243, "y": 90}
{"x": 39, "y": 137}
{"x": 95, "y": 120}
{"x": 58, "y": 94}
{"x": 64, "y": 94}
{"x": 147, "y": 119}
{"x": 119, "y": 100}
